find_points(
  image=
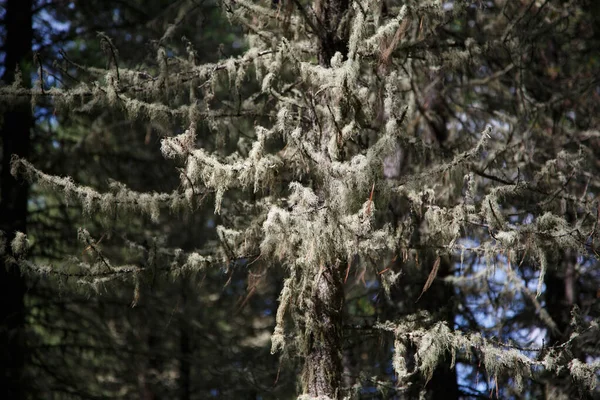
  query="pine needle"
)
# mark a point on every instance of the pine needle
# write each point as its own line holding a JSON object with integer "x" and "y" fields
{"x": 431, "y": 277}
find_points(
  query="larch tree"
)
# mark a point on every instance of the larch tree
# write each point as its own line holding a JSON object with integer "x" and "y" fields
{"x": 435, "y": 159}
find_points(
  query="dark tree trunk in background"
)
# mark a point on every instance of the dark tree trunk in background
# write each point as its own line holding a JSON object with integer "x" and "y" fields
{"x": 15, "y": 131}
{"x": 561, "y": 297}
{"x": 333, "y": 38}
{"x": 185, "y": 349}
{"x": 438, "y": 300}
{"x": 151, "y": 382}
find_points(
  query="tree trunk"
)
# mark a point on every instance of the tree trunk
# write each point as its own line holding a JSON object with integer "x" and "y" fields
{"x": 322, "y": 373}
{"x": 332, "y": 37}
{"x": 438, "y": 300}
{"x": 185, "y": 349}
{"x": 561, "y": 297}
{"x": 322, "y": 376}
{"x": 15, "y": 131}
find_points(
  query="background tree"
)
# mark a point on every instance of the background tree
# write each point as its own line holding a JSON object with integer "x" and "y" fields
{"x": 98, "y": 348}
{"x": 15, "y": 132}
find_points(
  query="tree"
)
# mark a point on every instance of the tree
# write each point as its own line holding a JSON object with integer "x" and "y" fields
{"x": 71, "y": 341}
{"x": 15, "y": 132}
{"x": 444, "y": 154}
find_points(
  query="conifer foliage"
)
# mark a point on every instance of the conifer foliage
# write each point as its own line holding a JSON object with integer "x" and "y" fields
{"x": 436, "y": 159}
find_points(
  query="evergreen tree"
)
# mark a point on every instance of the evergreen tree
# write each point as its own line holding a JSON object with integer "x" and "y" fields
{"x": 441, "y": 153}
{"x": 15, "y": 125}
{"x": 82, "y": 348}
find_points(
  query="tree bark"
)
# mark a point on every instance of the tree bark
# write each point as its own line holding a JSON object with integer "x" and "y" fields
{"x": 322, "y": 372}
{"x": 322, "y": 376}
{"x": 333, "y": 37}
{"x": 185, "y": 349}
{"x": 561, "y": 297}
{"x": 438, "y": 299}
{"x": 15, "y": 133}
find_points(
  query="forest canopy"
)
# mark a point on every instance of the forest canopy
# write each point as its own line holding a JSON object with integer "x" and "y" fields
{"x": 329, "y": 199}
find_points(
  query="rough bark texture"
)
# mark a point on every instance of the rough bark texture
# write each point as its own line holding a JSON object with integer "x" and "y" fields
{"x": 322, "y": 373}
{"x": 15, "y": 131}
{"x": 323, "y": 363}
